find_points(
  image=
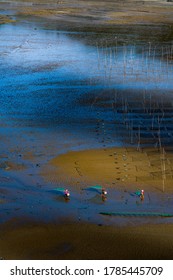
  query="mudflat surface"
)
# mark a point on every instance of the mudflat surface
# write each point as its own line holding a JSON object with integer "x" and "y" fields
{"x": 97, "y": 12}
{"x": 85, "y": 100}
{"x": 129, "y": 20}
{"x": 86, "y": 241}
{"x": 114, "y": 166}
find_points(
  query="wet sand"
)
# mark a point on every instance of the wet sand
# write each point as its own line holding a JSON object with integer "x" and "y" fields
{"x": 5, "y": 19}
{"x": 97, "y": 12}
{"x": 148, "y": 168}
{"x": 71, "y": 238}
{"x": 117, "y": 20}
{"x": 86, "y": 241}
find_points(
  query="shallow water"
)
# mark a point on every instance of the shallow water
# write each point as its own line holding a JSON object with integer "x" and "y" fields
{"x": 57, "y": 95}
{"x": 50, "y": 80}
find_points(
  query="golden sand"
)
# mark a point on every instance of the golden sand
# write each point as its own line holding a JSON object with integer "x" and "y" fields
{"x": 114, "y": 167}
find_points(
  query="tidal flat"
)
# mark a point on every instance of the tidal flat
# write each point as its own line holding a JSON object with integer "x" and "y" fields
{"x": 86, "y": 100}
